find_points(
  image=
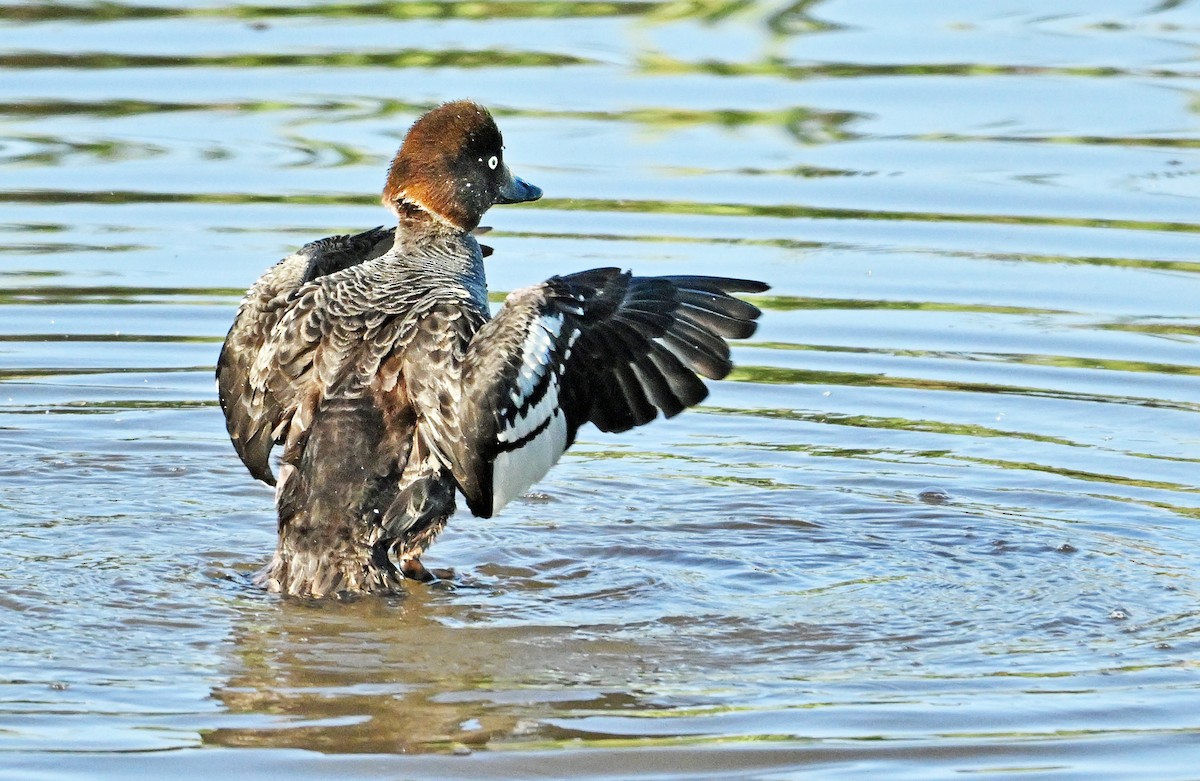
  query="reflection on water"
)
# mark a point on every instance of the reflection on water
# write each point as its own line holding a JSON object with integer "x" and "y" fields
{"x": 940, "y": 520}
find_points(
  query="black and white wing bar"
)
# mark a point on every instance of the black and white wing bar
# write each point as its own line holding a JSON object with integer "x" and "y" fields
{"x": 599, "y": 346}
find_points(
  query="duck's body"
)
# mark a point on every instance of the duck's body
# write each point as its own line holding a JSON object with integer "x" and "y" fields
{"x": 379, "y": 369}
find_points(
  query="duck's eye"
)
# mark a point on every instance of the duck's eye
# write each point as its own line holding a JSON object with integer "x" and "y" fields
{"x": 493, "y": 161}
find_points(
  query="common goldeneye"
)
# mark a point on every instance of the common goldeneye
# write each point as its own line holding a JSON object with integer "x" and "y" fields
{"x": 375, "y": 361}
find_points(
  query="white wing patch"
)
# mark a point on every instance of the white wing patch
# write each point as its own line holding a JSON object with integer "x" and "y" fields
{"x": 514, "y": 471}
{"x": 537, "y": 357}
{"x": 537, "y": 436}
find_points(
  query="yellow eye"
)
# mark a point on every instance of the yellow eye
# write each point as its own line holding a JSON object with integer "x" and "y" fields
{"x": 493, "y": 161}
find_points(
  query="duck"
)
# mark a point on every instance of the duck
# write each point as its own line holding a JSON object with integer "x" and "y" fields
{"x": 374, "y": 363}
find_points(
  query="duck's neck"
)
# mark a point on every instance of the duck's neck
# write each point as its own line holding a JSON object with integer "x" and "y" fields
{"x": 436, "y": 247}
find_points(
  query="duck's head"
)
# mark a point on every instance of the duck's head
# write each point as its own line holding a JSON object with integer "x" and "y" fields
{"x": 451, "y": 165}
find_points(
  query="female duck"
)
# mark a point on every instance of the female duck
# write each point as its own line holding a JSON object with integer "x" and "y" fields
{"x": 373, "y": 359}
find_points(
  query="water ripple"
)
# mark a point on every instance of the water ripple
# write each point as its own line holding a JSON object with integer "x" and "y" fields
{"x": 941, "y": 519}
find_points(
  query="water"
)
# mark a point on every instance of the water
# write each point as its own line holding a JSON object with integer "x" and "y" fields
{"x": 941, "y": 521}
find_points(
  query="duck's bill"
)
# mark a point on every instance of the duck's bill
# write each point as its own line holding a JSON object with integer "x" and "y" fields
{"x": 517, "y": 190}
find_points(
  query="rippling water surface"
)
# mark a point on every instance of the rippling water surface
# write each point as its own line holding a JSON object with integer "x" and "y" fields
{"x": 942, "y": 520}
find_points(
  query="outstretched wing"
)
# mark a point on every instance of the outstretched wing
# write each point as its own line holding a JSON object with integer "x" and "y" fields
{"x": 599, "y": 346}
{"x": 253, "y": 410}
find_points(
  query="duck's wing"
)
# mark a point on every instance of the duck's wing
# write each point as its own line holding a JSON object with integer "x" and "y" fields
{"x": 599, "y": 346}
{"x": 338, "y": 253}
{"x": 252, "y": 408}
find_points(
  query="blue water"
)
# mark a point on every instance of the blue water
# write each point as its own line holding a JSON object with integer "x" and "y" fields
{"x": 941, "y": 521}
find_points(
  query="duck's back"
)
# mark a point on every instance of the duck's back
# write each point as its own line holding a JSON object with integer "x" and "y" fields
{"x": 297, "y": 345}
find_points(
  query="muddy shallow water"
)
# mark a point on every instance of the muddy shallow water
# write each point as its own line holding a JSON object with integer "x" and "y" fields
{"x": 942, "y": 520}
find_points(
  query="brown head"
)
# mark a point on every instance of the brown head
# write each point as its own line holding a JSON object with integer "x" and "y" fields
{"x": 451, "y": 165}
